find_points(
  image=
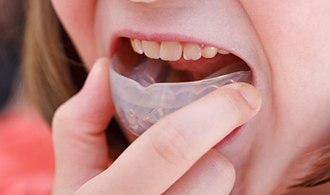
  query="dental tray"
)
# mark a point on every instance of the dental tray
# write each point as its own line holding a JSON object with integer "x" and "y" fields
{"x": 140, "y": 100}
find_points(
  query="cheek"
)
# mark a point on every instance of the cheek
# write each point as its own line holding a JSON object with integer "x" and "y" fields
{"x": 78, "y": 19}
{"x": 292, "y": 29}
{"x": 295, "y": 36}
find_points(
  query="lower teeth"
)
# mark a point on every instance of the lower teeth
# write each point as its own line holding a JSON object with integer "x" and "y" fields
{"x": 141, "y": 97}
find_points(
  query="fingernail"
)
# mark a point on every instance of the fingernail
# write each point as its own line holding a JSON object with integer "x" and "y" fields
{"x": 251, "y": 95}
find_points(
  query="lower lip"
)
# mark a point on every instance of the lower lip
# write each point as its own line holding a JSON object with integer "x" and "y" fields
{"x": 229, "y": 138}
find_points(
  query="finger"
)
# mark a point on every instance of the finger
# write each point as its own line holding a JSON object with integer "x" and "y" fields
{"x": 169, "y": 148}
{"x": 78, "y": 131}
{"x": 212, "y": 174}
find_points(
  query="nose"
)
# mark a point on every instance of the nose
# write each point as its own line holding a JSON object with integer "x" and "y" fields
{"x": 143, "y": 1}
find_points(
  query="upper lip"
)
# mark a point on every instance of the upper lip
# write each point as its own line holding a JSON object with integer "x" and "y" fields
{"x": 228, "y": 28}
{"x": 160, "y": 37}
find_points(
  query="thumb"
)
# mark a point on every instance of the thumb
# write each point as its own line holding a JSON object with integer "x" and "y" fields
{"x": 78, "y": 131}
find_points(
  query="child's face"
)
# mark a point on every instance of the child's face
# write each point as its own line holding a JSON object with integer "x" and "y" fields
{"x": 286, "y": 44}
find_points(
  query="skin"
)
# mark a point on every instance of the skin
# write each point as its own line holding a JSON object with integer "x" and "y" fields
{"x": 287, "y": 47}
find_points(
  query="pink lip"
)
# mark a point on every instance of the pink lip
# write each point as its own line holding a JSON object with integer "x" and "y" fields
{"x": 159, "y": 37}
{"x": 229, "y": 138}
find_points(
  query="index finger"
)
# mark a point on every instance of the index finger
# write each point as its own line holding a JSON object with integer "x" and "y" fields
{"x": 169, "y": 148}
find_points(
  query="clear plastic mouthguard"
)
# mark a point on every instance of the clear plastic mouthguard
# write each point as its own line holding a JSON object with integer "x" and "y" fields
{"x": 140, "y": 100}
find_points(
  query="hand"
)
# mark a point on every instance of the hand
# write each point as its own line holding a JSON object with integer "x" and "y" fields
{"x": 174, "y": 156}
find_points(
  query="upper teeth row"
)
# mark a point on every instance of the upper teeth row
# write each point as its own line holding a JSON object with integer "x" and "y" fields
{"x": 173, "y": 51}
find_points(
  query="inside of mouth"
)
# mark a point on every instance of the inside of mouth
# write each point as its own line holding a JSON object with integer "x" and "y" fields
{"x": 146, "y": 71}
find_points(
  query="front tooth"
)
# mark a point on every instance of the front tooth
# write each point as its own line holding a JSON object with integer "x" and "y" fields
{"x": 209, "y": 52}
{"x": 151, "y": 49}
{"x": 170, "y": 51}
{"x": 137, "y": 46}
{"x": 223, "y": 52}
{"x": 192, "y": 52}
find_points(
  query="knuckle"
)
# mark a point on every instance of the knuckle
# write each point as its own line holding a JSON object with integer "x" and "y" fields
{"x": 58, "y": 117}
{"x": 222, "y": 169}
{"x": 61, "y": 116}
{"x": 59, "y": 123}
{"x": 170, "y": 145}
{"x": 225, "y": 170}
{"x": 64, "y": 123}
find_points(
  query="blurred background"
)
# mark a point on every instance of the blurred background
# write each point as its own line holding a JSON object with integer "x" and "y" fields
{"x": 26, "y": 155}
{"x": 11, "y": 28}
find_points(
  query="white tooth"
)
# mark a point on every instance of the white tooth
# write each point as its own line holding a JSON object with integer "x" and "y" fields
{"x": 137, "y": 46}
{"x": 192, "y": 52}
{"x": 170, "y": 51}
{"x": 223, "y": 52}
{"x": 133, "y": 45}
{"x": 209, "y": 52}
{"x": 151, "y": 49}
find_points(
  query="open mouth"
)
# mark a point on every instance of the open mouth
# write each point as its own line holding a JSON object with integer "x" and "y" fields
{"x": 150, "y": 80}
{"x": 184, "y": 61}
